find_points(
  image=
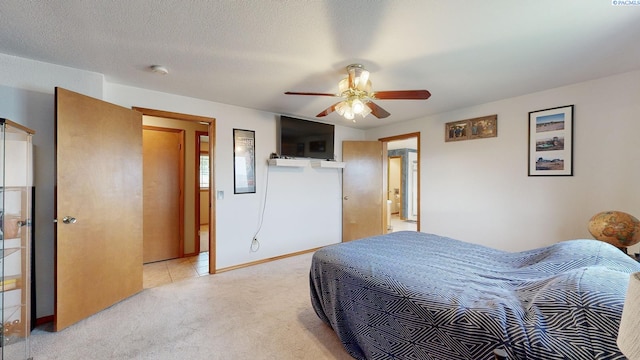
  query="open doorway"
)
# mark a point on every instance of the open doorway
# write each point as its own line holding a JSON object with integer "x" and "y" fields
{"x": 403, "y": 185}
{"x": 192, "y": 261}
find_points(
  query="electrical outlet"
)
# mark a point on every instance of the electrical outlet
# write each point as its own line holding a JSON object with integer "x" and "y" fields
{"x": 255, "y": 244}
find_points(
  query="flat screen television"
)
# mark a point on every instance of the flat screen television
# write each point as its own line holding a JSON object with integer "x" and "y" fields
{"x": 306, "y": 139}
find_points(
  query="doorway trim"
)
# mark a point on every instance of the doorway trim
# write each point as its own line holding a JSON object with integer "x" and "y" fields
{"x": 211, "y": 122}
{"x": 198, "y": 151}
{"x": 403, "y": 137}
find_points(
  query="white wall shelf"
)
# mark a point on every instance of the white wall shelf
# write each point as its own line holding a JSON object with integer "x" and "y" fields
{"x": 306, "y": 162}
{"x": 289, "y": 162}
{"x": 327, "y": 164}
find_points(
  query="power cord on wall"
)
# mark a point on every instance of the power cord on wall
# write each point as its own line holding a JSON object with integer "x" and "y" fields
{"x": 255, "y": 244}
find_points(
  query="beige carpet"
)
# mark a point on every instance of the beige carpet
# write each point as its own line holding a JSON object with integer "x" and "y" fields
{"x": 259, "y": 312}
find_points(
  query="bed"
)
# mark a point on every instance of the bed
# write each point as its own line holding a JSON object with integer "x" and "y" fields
{"x": 411, "y": 295}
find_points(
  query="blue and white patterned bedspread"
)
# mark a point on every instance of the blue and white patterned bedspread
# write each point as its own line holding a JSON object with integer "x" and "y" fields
{"x": 410, "y": 295}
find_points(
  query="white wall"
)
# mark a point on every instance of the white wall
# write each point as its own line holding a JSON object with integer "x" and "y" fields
{"x": 41, "y": 77}
{"x": 479, "y": 191}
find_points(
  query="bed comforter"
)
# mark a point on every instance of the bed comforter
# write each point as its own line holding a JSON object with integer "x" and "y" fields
{"x": 411, "y": 295}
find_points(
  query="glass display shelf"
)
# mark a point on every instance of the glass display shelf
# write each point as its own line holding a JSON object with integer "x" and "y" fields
{"x": 16, "y": 210}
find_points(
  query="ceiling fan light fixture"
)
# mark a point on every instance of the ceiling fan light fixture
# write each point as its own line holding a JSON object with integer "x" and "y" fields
{"x": 362, "y": 80}
{"x": 357, "y": 97}
{"x": 343, "y": 86}
{"x": 340, "y": 108}
{"x": 357, "y": 106}
{"x": 367, "y": 87}
{"x": 358, "y": 75}
{"x": 348, "y": 113}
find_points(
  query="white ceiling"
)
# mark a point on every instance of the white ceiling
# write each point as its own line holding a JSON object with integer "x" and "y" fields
{"x": 249, "y": 52}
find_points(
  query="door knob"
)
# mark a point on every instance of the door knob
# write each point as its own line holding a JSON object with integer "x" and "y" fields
{"x": 69, "y": 220}
{"x": 346, "y": 197}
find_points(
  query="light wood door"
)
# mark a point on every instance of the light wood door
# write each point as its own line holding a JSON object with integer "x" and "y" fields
{"x": 98, "y": 258}
{"x": 163, "y": 207}
{"x": 363, "y": 187}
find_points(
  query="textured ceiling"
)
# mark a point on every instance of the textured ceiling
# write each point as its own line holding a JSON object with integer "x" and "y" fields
{"x": 248, "y": 53}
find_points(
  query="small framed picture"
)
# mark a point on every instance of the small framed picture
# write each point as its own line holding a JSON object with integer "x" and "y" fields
{"x": 551, "y": 142}
{"x": 484, "y": 127}
{"x": 244, "y": 161}
{"x": 456, "y": 131}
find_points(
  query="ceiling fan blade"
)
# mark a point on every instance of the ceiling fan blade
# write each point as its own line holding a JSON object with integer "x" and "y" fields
{"x": 402, "y": 95}
{"x": 377, "y": 111}
{"x": 328, "y": 110}
{"x": 308, "y": 93}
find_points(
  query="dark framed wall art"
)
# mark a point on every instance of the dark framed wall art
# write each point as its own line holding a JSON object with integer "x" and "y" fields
{"x": 456, "y": 130}
{"x": 551, "y": 142}
{"x": 244, "y": 161}
{"x": 476, "y": 128}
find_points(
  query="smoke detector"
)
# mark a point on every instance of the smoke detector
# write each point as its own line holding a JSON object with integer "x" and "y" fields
{"x": 158, "y": 69}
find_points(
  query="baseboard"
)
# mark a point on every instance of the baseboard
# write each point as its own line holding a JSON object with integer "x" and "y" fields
{"x": 235, "y": 267}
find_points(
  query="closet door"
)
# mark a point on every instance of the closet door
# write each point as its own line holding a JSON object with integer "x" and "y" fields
{"x": 163, "y": 210}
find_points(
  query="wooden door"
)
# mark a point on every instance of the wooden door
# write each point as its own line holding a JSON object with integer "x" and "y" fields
{"x": 163, "y": 207}
{"x": 363, "y": 189}
{"x": 98, "y": 258}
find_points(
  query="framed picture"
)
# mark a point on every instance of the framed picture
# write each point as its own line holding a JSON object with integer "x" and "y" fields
{"x": 476, "y": 128}
{"x": 551, "y": 142}
{"x": 483, "y": 127}
{"x": 244, "y": 161}
{"x": 456, "y": 130}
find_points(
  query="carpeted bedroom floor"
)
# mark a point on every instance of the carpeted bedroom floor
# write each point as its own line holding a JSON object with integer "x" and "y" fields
{"x": 258, "y": 312}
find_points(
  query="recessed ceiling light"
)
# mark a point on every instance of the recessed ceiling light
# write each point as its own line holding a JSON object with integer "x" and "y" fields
{"x": 158, "y": 69}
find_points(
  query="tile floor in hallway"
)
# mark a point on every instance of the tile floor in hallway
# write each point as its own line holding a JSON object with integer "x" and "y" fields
{"x": 165, "y": 272}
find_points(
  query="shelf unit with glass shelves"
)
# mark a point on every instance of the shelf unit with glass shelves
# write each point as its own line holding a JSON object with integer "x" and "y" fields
{"x": 16, "y": 191}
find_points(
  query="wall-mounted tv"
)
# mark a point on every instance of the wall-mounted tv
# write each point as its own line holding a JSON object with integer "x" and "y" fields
{"x": 305, "y": 139}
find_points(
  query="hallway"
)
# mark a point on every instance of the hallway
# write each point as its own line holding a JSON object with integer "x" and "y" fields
{"x": 168, "y": 271}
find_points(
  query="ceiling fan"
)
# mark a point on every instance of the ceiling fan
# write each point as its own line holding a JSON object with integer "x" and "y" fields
{"x": 358, "y": 98}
